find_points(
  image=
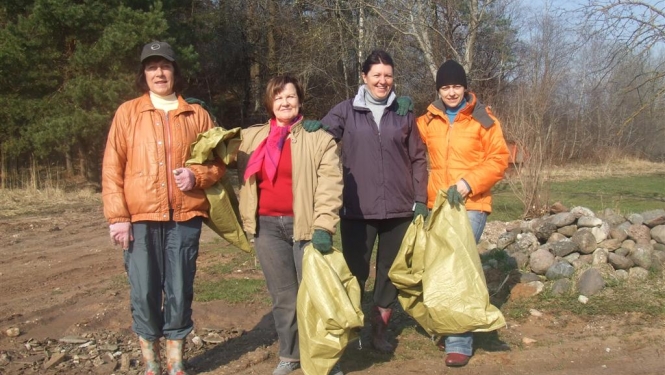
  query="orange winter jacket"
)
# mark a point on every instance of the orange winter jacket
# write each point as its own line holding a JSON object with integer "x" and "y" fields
{"x": 472, "y": 148}
{"x": 143, "y": 147}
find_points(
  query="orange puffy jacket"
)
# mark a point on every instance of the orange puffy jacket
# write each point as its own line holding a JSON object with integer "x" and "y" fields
{"x": 143, "y": 147}
{"x": 472, "y": 148}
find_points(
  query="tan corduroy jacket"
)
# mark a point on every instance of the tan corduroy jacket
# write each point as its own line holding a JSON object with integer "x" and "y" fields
{"x": 316, "y": 177}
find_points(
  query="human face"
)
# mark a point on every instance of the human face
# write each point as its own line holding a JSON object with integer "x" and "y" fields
{"x": 286, "y": 105}
{"x": 159, "y": 76}
{"x": 452, "y": 95}
{"x": 379, "y": 81}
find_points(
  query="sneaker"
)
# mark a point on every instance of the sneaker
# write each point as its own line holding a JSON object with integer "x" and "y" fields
{"x": 284, "y": 367}
{"x": 336, "y": 370}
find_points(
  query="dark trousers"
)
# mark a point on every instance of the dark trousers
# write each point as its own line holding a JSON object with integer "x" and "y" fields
{"x": 161, "y": 265}
{"x": 358, "y": 238}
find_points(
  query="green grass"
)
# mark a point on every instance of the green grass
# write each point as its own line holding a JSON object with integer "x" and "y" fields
{"x": 623, "y": 194}
{"x": 222, "y": 282}
{"x": 231, "y": 290}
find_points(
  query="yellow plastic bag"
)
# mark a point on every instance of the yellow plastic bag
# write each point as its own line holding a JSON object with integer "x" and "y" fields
{"x": 454, "y": 295}
{"x": 406, "y": 273}
{"x": 224, "y": 218}
{"x": 328, "y": 308}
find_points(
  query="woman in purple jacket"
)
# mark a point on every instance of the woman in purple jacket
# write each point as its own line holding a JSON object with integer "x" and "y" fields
{"x": 385, "y": 181}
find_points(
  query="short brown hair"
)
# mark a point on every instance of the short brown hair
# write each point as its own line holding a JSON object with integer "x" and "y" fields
{"x": 277, "y": 85}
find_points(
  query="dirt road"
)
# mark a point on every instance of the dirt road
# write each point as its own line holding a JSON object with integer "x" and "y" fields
{"x": 59, "y": 277}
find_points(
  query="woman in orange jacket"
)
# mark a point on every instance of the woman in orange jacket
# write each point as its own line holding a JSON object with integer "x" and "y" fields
{"x": 468, "y": 155}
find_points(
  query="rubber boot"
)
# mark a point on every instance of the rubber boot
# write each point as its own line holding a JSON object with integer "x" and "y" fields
{"x": 380, "y": 318}
{"x": 150, "y": 353}
{"x": 174, "y": 350}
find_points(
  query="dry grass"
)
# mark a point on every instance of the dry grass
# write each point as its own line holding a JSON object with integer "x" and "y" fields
{"x": 617, "y": 167}
{"x": 16, "y": 202}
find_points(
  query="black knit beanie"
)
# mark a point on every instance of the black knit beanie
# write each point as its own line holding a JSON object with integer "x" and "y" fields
{"x": 450, "y": 73}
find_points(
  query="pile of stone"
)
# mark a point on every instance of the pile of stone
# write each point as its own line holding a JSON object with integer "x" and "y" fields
{"x": 578, "y": 248}
{"x": 97, "y": 352}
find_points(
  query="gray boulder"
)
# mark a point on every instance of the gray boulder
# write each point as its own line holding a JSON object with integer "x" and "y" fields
{"x": 527, "y": 242}
{"x": 540, "y": 260}
{"x": 544, "y": 230}
{"x": 556, "y": 237}
{"x": 562, "y": 219}
{"x": 580, "y": 211}
{"x": 622, "y": 251}
{"x": 561, "y": 287}
{"x": 621, "y": 275}
{"x": 658, "y": 233}
{"x": 654, "y": 218}
{"x": 590, "y": 282}
{"x": 641, "y": 255}
{"x": 635, "y": 219}
{"x": 528, "y": 277}
{"x": 563, "y": 248}
{"x": 560, "y": 270}
{"x": 589, "y": 221}
{"x": 611, "y": 244}
{"x": 506, "y": 239}
{"x": 600, "y": 257}
{"x": 570, "y": 258}
{"x": 618, "y": 234}
{"x": 601, "y": 233}
{"x": 628, "y": 244}
{"x": 585, "y": 241}
{"x": 620, "y": 262}
{"x": 568, "y": 230}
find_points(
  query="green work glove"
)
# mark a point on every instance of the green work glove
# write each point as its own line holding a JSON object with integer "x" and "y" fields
{"x": 420, "y": 210}
{"x": 311, "y": 126}
{"x": 322, "y": 240}
{"x": 454, "y": 197}
{"x": 404, "y": 105}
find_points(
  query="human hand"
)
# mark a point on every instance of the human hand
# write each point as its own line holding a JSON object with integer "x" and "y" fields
{"x": 184, "y": 179}
{"x": 420, "y": 210}
{"x": 404, "y": 105}
{"x": 463, "y": 188}
{"x": 454, "y": 197}
{"x": 121, "y": 234}
{"x": 322, "y": 240}
{"x": 311, "y": 126}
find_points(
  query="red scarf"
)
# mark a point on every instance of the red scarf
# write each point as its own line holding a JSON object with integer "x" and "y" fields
{"x": 268, "y": 152}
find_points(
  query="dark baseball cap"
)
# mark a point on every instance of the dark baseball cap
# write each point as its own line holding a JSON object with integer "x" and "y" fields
{"x": 161, "y": 49}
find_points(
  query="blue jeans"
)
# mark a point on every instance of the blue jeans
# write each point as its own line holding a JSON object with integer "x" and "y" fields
{"x": 463, "y": 343}
{"x": 281, "y": 261}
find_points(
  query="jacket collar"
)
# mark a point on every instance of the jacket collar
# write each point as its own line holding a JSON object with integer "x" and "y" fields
{"x": 145, "y": 104}
{"x": 359, "y": 102}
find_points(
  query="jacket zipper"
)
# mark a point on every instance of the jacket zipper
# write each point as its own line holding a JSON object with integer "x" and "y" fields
{"x": 167, "y": 154}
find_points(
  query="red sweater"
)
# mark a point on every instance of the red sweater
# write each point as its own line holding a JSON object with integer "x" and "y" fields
{"x": 277, "y": 199}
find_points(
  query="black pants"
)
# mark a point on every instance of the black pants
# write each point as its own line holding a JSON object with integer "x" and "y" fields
{"x": 358, "y": 238}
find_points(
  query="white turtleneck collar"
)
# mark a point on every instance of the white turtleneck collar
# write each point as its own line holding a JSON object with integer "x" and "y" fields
{"x": 165, "y": 103}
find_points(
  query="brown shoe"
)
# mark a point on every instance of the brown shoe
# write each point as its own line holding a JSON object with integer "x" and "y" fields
{"x": 456, "y": 360}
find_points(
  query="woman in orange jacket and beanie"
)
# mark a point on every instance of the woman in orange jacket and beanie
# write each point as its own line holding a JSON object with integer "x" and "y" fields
{"x": 468, "y": 155}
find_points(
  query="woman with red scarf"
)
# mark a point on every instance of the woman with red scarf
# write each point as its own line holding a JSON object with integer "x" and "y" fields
{"x": 291, "y": 193}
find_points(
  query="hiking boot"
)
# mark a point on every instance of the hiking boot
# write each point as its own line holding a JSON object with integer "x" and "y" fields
{"x": 336, "y": 370}
{"x": 284, "y": 367}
